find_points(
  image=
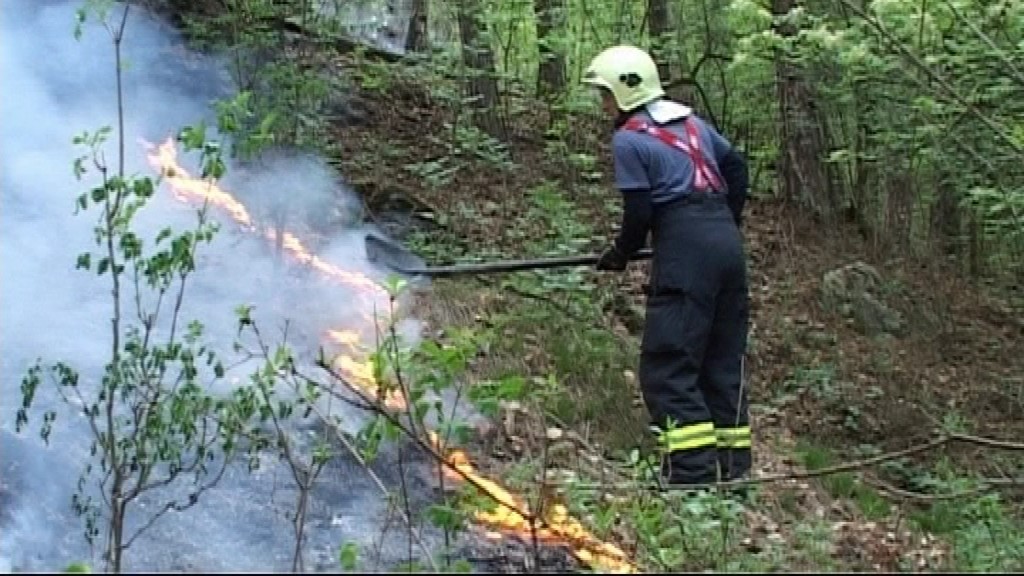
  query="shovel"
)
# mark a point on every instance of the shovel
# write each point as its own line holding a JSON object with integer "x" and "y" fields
{"x": 397, "y": 258}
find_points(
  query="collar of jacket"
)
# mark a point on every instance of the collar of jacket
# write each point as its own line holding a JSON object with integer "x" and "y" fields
{"x": 662, "y": 111}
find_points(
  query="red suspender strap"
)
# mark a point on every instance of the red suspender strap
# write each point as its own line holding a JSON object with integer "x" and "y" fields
{"x": 703, "y": 177}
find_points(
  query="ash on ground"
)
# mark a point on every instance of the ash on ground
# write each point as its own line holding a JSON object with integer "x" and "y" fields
{"x": 512, "y": 555}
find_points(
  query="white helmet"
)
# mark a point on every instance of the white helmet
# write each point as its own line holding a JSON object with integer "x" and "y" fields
{"x": 629, "y": 73}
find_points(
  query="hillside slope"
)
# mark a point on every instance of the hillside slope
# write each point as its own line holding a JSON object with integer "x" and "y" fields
{"x": 826, "y": 388}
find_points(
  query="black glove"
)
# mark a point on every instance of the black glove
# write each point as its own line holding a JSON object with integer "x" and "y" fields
{"x": 612, "y": 259}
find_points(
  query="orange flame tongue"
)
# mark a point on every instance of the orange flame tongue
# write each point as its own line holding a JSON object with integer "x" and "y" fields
{"x": 165, "y": 158}
{"x": 560, "y": 526}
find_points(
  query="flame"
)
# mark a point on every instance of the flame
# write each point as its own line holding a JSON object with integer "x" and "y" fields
{"x": 347, "y": 338}
{"x": 561, "y": 527}
{"x": 362, "y": 372}
{"x": 164, "y": 158}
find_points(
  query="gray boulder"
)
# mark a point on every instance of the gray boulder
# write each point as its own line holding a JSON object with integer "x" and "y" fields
{"x": 855, "y": 291}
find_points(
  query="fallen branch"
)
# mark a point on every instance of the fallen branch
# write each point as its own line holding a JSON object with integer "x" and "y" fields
{"x": 987, "y": 442}
{"x": 537, "y": 521}
{"x": 844, "y": 467}
{"x": 987, "y": 485}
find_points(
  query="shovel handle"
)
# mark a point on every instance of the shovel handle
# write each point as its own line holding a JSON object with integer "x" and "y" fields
{"x": 517, "y": 265}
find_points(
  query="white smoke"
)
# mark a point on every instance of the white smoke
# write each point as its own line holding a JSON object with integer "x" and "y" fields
{"x": 53, "y": 87}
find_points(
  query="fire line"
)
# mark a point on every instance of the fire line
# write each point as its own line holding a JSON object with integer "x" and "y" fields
{"x": 561, "y": 527}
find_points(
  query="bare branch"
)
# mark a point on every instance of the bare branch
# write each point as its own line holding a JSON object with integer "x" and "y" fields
{"x": 377, "y": 481}
{"x": 844, "y": 467}
{"x": 987, "y": 442}
{"x": 193, "y": 499}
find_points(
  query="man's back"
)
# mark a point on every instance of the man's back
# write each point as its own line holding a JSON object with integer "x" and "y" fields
{"x": 644, "y": 162}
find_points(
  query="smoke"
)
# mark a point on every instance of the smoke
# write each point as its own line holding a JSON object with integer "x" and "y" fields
{"x": 53, "y": 87}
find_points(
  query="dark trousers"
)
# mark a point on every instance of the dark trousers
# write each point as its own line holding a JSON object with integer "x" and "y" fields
{"x": 694, "y": 341}
{"x": 693, "y": 388}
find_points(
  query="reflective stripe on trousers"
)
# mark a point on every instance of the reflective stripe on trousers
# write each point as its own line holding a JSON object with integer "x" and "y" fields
{"x": 733, "y": 437}
{"x": 702, "y": 435}
{"x": 690, "y": 437}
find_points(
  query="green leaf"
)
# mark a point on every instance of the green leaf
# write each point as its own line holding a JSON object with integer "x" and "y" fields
{"x": 192, "y": 137}
{"x": 511, "y": 388}
{"x": 443, "y": 516}
{"x": 99, "y": 194}
{"x": 78, "y": 568}
{"x": 163, "y": 235}
{"x": 143, "y": 187}
{"x": 391, "y": 432}
{"x": 348, "y": 556}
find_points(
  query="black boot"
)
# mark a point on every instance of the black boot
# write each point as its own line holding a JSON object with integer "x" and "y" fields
{"x": 679, "y": 473}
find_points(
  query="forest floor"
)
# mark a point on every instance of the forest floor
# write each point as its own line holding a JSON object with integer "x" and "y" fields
{"x": 822, "y": 391}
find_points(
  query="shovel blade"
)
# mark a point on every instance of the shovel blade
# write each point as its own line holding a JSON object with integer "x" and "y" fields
{"x": 391, "y": 255}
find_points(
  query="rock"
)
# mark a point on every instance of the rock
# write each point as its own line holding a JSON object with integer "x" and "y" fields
{"x": 854, "y": 292}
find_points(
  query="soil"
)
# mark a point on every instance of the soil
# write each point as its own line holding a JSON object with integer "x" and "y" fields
{"x": 962, "y": 354}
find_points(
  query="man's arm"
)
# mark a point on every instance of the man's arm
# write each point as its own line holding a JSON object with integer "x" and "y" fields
{"x": 632, "y": 181}
{"x": 734, "y": 170}
{"x": 636, "y": 221}
{"x": 733, "y": 167}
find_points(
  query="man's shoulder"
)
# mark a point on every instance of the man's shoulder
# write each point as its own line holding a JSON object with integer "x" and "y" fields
{"x": 627, "y": 141}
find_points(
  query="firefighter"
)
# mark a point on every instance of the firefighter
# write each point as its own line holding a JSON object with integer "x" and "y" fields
{"x": 684, "y": 183}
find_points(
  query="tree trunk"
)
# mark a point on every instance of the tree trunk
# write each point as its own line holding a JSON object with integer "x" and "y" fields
{"x": 947, "y": 219}
{"x": 976, "y": 249}
{"x": 481, "y": 79}
{"x": 863, "y": 195}
{"x": 550, "y": 15}
{"x": 417, "y": 38}
{"x": 657, "y": 16}
{"x": 804, "y": 175}
{"x": 900, "y": 197}
{"x": 115, "y": 549}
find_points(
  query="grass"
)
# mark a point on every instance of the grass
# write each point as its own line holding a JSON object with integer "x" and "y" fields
{"x": 587, "y": 364}
{"x": 842, "y": 485}
{"x": 985, "y": 531}
{"x": 556, "y": 341}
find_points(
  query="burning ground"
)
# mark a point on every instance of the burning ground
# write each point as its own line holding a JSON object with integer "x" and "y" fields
{"x": 512, "y": 515}
{"x": 298, "y": 261}
{"x": 559, "y": 345}
{"x": 52, "y": 311}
